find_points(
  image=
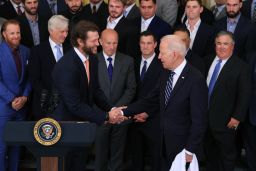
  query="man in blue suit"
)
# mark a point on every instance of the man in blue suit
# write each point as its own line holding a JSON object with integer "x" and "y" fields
{"x": 182, "y": 97}
{"x": 14, "y": 88}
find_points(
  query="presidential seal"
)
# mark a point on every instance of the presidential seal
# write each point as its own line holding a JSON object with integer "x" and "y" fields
{"x": 47, "y": 131}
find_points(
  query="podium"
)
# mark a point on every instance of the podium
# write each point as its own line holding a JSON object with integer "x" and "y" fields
{"x": 50, "y": 158}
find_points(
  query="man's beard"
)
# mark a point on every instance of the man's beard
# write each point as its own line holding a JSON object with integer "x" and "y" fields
{"x": 88, "y": 51}
{"x": 233, "y": 14}
{"x": 30, "y": 12}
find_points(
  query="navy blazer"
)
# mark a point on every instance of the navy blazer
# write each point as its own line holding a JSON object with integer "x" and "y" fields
{"x": 76, "y": 95}
{"x": 184, "y": 120}
{"x": 244, "y": 35}
{"x": 11, "y": 85}
{"x": 8, "y": 11}
{"x": 45, "y": 11}
{"x": 25, "y": 31}
{"x": 246, "y": 9}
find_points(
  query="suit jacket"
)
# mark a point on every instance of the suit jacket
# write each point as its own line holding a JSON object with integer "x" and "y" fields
{"x": 44, "y": 9}
{"x": 244, "y": 35}
{"x": 231, "y": 88}
{"x": 41, "y": 64}
{"x": 76, "y": 95}
{"x": 183, "y": 121}
{"x": 246, "y": 9}
{"x": 26, "y": 34}
{"x": 196, "y": 61}
{"x": 134, "y": 13}
{"x": 167, "y": 10}
{"x": 128, "y": 37}
{"x": 100, "y": 17}
{"x": 221, "y": 14}
{"x": 11, "y": 85}
{"x": 122, "y": 89}
{"x": 8, "y": 11}
{"x": 144, "y": 87}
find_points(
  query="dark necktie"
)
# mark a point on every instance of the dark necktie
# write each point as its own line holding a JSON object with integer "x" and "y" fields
{"x": 214, "y": 77}
{"x": 94, "y": 10}
{"x": 168, "y": 88}
{"x": 19, "y": 12}
{"x": 17, "y": 60}
{"x": 143, "y": 71}
{"x": 110, "y": 68}
{"x": 215, "y": 12}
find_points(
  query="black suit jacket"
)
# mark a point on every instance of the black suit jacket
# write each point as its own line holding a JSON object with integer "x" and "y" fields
{"x": 100, "y": 17}
{"x": 76, "y": 95}
{"x": 230, "y": 95}
{"x": 134, "y": 13}
{"x": 196, "y": 61}
{"x": 204, "y": 40}
{"x": 26, "y": 34}
{"x": 184, "y": 120}
{"x": 246, "y": 9}
{"x": 244, "y": 35}
{"x": 45, "y": 11}
{"x": 41, "y": 64}
{"x": 8, "y": 11}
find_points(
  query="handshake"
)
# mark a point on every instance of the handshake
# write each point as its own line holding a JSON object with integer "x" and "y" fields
{"x": 116, "y": 116}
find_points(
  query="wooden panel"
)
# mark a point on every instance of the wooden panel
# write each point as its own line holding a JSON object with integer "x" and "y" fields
{"x": 49, "y": 163}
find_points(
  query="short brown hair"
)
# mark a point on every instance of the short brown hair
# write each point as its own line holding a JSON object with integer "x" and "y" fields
{"x": 198, "y": 1}
{"x": 80, "y": 31}
{"x": 154, "y": 1}
{"x": 6, "y": 23}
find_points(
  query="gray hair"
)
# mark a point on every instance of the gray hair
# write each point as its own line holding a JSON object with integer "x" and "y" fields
{"x": 226, "y": 33}
{"x": 58, "y": 22}
{"x": 175, "y": 44}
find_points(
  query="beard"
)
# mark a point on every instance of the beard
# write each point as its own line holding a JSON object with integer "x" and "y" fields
{"x": 232, "y": 14}
{"x": 89, "y": 50}
{"x": 30, "y": 12}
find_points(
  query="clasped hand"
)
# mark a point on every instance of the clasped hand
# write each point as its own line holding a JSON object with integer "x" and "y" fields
{"x": 116, "y": 115}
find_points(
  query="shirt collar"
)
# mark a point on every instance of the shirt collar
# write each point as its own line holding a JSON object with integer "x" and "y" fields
{"x": 115, "y": 20}
{"x": 15, "y": 5}
{"x": 180, "y": 68}
{"x": 149, "y": 59}
{"x": 196, "y": 25}
{"x": 53, "y": 44}
{"x": 235, "y": 20}
{"x": 106, "y": 56}
{"x": 148, "y": 21}
{"x": 127, "y": 9}
{"x": 81, "y": 56}
{"x": 97, "y": 5}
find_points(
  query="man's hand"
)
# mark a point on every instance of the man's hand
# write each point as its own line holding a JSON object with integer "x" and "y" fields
{"x": 116, "y": 115}
{"x": 189, "y": 158}
{"x": 141, "y": 117}
{"x": 233, "y": 123}
{"x": 19, "y": 102}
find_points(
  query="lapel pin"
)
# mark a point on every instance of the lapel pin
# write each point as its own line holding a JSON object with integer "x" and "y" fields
{"x": 182, "y": 77}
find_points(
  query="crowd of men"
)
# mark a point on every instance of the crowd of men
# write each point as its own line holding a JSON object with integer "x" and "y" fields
{"x": 161, "y": 79}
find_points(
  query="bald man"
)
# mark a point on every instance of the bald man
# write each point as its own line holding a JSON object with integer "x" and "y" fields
{"x": 117, "y": 80}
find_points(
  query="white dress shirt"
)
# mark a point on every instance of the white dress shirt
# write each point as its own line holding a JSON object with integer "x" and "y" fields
{"x": 54, "y": 50}
{"x": 112, "y": 24}
{"x": 193, "y": 32}
{"x": 97, "y": 5}
{"x": 106, "y": 59}
{"x": 149, "y": 60}
{"x": 215, "y": 61}
{"x": 145, "y": 23}
{"x": 178, "y": 71}
{"x": 81, "y": 56}
{"x": 128, "y": 9}
{"x": 15, "y": 6}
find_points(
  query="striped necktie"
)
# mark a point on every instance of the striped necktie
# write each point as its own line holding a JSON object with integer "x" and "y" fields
{"x": 168, "y": 88}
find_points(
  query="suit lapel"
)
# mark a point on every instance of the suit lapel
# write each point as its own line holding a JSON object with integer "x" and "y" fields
{"x": 103, "y": 70}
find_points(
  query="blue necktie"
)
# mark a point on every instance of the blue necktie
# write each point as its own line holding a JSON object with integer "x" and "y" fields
{"x": 214, "y": 77}
{"x": 110, "y": 68}
{"x": 143, "y": 71}
{"x": 168, "y": 88}
{"x": 59, "y": 53}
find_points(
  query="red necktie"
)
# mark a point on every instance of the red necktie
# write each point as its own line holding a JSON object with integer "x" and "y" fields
{"x": 87, "y": 68}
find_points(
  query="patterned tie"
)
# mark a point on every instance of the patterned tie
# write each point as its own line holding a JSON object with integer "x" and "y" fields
{"x": 17, "y": 60}
{"x": 94, "y": 10}
{"x": 59, "y": 53}
{"x": 254, "y": 13}
{"x": 215, "y": 12}
{"x": 110, "y": 68}
{"x": 214, "y": 77}
{"x": 168, "y": 88}
{"x": 125, "y": 13}
{"x": 53, "y": 4}
{"x": 87, "y": 69}
{"x": 143, "y": 71}
{"x": 19, "y": 12}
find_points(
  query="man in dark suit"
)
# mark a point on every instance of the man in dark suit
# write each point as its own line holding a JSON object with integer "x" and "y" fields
{"x": 201, "y": 34}
{"x": 219, "y": 9}
{"x": 117, "y": 80}
{"x": 240, "y": 26}
{"x": 32, "y": 26}
{"x": 250, "y": 139}
{"x": 144, "y": 136}
{"x": 42, "y": 60}
{"x": 97, "y": 11}
{"x": 131, "y": 11}
{"x": 75, "y": 78}
{"x": 195, "y": 60}
{"x": 182, "y": 96}
{"x": 11, "y": 9}
{"x": 14, "y": 89}
{"x": 229, "y": 85}
{"x": 149, "y": 20}
{"x": 127, "y": 32}
{"x": 48, "y": 8}
{"x": 247, "y": 9}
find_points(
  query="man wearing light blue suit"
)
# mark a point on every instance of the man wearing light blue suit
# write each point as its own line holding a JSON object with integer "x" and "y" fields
{"x": 14, "y": 88}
